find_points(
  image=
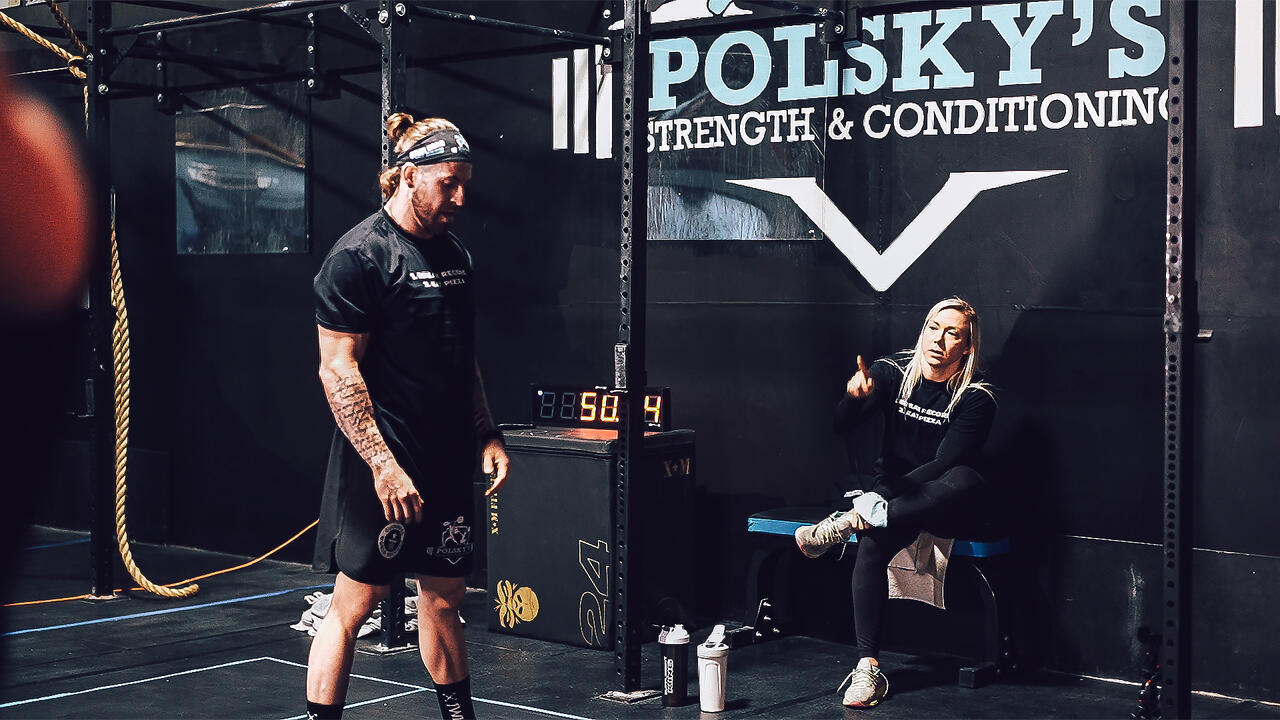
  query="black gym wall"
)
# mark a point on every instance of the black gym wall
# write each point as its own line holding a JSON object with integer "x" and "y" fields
{"x": 756, "y": 337}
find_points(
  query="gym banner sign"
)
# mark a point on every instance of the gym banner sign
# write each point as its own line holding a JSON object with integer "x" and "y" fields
{"x": 1101, "y": 108}
{"x": 880, "y": 142}
{"x": 789, "y": 64}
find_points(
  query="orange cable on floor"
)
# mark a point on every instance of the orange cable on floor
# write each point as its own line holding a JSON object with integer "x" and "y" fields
{"x": 251, "y": 562}
{"x": 50, "y": 600}
{"x": 254, "y": 561}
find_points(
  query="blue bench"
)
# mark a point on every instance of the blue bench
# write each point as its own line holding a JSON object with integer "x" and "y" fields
{"x": 982, "y": 555}
{"x": 769, "y": 524}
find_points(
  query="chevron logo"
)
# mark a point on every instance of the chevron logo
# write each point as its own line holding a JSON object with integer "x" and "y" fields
{"x": 882, "y": 270}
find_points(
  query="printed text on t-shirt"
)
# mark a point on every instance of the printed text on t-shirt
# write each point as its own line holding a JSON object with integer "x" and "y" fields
{"x": 915, "y": 412}
{"x": 444, "y": 278}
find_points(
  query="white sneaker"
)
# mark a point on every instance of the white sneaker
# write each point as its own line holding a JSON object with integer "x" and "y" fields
{"x": 814, "y": 540}
{"x": 867, "y": 685}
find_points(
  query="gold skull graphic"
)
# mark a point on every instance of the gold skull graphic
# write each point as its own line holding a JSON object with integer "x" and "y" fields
{"x": 515, "y": 604}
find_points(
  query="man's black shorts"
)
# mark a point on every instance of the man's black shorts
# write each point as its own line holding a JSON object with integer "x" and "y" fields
{"x": 377, "y": 552}
{"x": 354, "y": 536}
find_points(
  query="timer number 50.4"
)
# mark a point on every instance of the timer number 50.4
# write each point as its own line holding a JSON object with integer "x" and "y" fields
{"x": 593, "y": 407}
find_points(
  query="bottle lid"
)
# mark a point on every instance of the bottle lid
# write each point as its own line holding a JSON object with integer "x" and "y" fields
{"x": 713, "y": 651}
{"x": 676, "y": 635}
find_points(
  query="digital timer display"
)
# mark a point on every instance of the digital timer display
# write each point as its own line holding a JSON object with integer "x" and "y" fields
{"x": 594, "y": 407}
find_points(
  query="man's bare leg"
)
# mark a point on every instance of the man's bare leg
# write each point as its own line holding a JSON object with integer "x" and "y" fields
{"x": 332, "y": 649}
{"x": 441, "y": 642}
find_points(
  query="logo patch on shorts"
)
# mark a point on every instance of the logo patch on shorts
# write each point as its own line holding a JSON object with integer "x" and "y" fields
{"x": 390, "y": 540}
{"x": 455, "y": 541}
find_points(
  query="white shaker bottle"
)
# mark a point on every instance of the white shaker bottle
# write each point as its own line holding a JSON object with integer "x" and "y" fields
{"x": 713, "y": 666}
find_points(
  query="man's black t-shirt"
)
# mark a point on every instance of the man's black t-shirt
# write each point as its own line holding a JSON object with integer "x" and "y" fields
{"x": 922, "y": 440}
{"x": 414, "y": 298}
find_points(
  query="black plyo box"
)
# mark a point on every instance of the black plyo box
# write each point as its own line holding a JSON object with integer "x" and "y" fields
{"x": 551, "y": 534}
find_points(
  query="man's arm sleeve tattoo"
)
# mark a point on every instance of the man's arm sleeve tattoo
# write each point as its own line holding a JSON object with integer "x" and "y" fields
{"x": 349, "y": 399}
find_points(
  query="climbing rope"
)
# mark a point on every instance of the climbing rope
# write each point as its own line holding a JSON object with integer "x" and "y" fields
{"x": 66, "y": 28}
{"x": 119, "y": 337}
{"x": 120, "y": 362}
{"x": 72, "y": 60}
{"x": 74, "y": 63}
{"x": 119, "y": 329}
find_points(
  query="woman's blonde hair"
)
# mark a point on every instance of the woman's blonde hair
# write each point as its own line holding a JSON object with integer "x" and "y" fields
{"x": 912, "y": 363}
{"x": 404, "y": 133}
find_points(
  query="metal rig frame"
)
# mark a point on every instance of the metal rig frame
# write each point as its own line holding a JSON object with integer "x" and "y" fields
{"x": 838, "y": 20}
{"x": 1180, "y": 328}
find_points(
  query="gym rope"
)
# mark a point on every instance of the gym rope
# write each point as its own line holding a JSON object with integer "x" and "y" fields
{"x": 66, "y": 28}
{"x": 119, "y": 348}
{"x": 74, "y": 62}
{"x": 119, "y": 332}
{"x": 224, "y": 571}
{"x": 120, "y": 362}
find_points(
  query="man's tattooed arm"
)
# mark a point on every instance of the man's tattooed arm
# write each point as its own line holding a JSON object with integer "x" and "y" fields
{"x": 349, "y": 399}
{"x": 348, "y": 396}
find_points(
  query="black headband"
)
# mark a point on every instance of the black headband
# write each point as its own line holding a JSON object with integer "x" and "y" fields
{"x": 437, "y": 147}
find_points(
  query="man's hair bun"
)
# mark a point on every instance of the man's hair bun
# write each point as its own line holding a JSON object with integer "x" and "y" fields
{"x": 397, "y": 124}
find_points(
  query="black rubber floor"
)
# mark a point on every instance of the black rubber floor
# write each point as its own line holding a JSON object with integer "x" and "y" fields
{"x": 229, "y": 653}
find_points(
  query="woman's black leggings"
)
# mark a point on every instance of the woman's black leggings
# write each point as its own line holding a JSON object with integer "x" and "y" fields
{"x": 933, "y": 505}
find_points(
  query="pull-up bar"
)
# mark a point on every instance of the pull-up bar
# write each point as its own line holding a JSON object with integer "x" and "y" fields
{"x": 287, "y": 6}
{"x": 506, "y": 25}
{"x": 197, "y": 20}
